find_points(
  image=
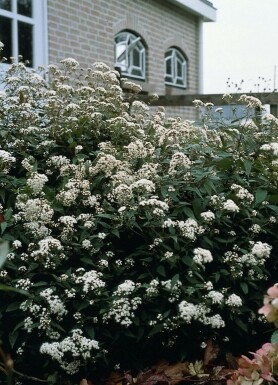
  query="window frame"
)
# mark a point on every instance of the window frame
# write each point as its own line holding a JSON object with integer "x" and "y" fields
{"x": 38, "y": 20}
{"x": 132, "y": 42}
{"x": 175, "y": 56}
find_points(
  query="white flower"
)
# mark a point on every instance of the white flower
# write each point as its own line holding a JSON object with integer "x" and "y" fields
{"x": 230, "y": 205}
{"x": 234, "y": 301}
{"x": 261, "y": 250}
{"x": 143, "y": 184}
{"x": 202, "y": 256}
{"x": 179, "y": 161}
{"x": 6, "y": 161}
{"x": 215, "y": 296}
{"x": 70, "y": 63}
{"x": 70, "y": 351}
{"x": 208, "y": 216}
{"x": 36, "y": 182}
{"x": 125, "y": 288}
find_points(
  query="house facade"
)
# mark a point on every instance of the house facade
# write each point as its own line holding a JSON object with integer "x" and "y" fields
{"x": 156, "y": 43}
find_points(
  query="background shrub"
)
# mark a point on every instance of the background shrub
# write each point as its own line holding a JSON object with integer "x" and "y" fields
{"x": 135, "y": 237}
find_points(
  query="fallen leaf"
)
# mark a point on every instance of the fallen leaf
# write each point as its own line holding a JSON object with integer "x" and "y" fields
{"x": 175, "y": 372}
{"x": 211, "y": 352}
{"x": 115, "y": 378}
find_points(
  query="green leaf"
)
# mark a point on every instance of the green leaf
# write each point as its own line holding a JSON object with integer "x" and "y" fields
{"x": 260, "y": 196}
{"x": 161, "y": 270}
{"x": 8, "y": 214}
{"x": 10, "y": 288}
{"x": 187, "y": 260}
{"x": 90, "y": 331}
{"x": 3, "y": 226}
{"x": 241, "y": 324}
{"x": 273, "y": 208}
{"x": 2, "y": 194}
{"x": 247, "y": 166}
{"x": 244, "y": 287}
{"x": 156, "y": 329}
{"x": 13, "y": 338}
{"x": 274, "y": 337}
{"x": 140, "y": 334}
{"x": 174, "y": 280}
{"x": 4, "y": 250}
{"x": 188, "y": 212}
{"x": 197, "y": 206}
{"x": 13, "y": 306}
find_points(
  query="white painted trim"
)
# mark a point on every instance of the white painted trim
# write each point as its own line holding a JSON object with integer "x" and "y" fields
{"x": 40, "y": 33}
{"x": 201, "y": 58}
{"x": 199, "y": 8}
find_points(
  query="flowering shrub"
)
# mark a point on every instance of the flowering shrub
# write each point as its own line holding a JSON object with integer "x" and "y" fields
{"x": 132, "y": 234}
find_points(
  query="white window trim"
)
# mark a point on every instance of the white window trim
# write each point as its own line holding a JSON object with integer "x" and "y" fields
{"x": 174, "y": 58}
{"x": 130, "y": 66}
{"x": 40, "y": 40}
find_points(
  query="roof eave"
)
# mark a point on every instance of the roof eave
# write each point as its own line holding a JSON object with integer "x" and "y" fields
{"x": 201, "y": 8}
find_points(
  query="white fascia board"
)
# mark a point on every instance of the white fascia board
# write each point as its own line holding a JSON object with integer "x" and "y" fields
{"x": 199, "y": 8}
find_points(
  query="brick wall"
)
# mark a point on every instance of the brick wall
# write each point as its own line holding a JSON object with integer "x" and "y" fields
{"x": 85, "y": 30}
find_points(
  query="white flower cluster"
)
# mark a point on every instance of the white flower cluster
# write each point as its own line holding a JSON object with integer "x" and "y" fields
{"x": 105, "y": 164}
{"x": 174, "y": 289}
{"x": 144, "y": 185}
{"x": 50, "y": 249}
{"x": 125, "y": 288}
{"x": 215, "y": 296}
{"x": 122, "y": 310}
{"x": 234, "y": 301}
{"x": 91, "y": 280}
{"x": 189, "y": 228}
{"x": 189, "y": 312}
{"x": 70, "y": 63}
{"x": 158, "y": 207}
{"x": 68, "y": 222}
{"x": 75, "y": 346}
{"x": 242, "y": 193}
{"x": 59, "y": 161}
{"x": 6, "y": 161}
{"x": 251, "y": 101}
{"x": 55, "y": 304}
{"x": 24, "y": 284}
{"x": 261, "y": 250}
{"x": 208, "y": 216}
{"x": 202, "y": 256}
{"x": 139, "y": 150}
{"x": 273, "y": 147}
{"x": 229, "y": 205}
{"x": 179, "y": 161}
{"x": 33, "y": 210}
{"x": 122, "y": 194}
{"x": 152, "y": 289}
{"x": 36, "y": 182}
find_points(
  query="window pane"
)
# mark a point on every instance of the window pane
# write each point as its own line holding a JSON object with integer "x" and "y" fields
{"x": 24, "y": 7}
{"x": 6, "y": 36}
{"x": 25, "y": 42}
{"x": 179, "y": 69}
{"x": 136, "y": 72}
{"x": 5, "y": 4}
{"x": 136, "y": 58}
{"x": 169, "y": 67}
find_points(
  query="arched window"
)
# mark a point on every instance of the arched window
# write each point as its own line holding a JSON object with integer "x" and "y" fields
{"x": 175, "y": 68}
{"x": 130, "y": 54}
